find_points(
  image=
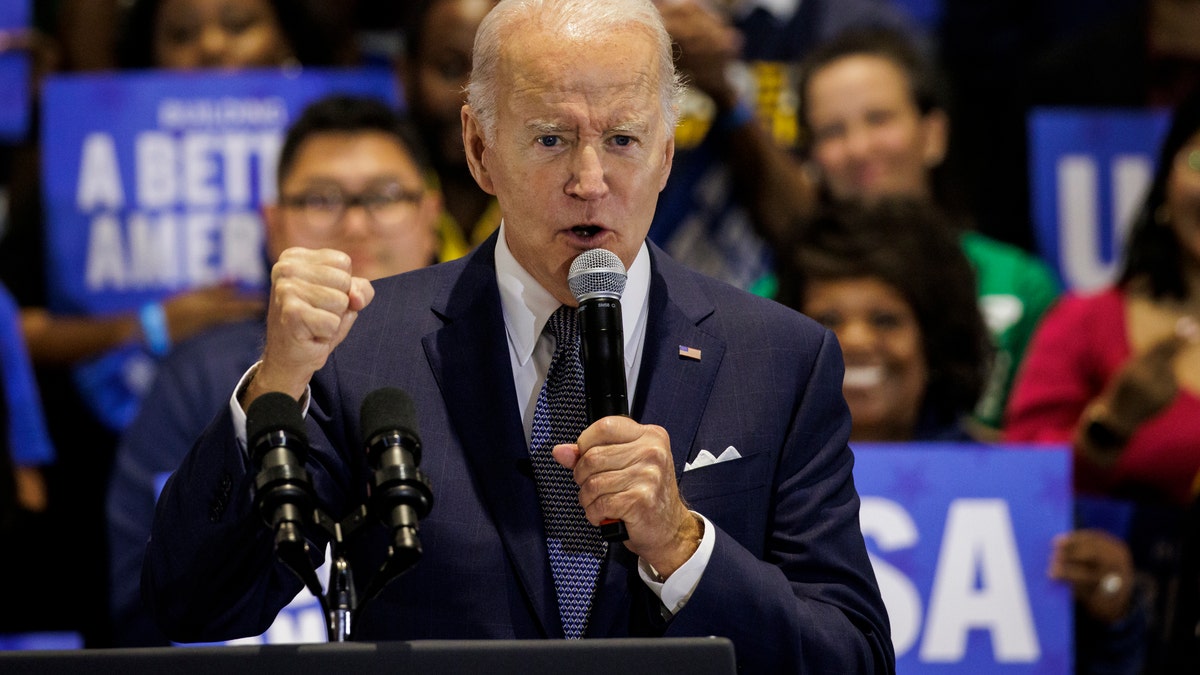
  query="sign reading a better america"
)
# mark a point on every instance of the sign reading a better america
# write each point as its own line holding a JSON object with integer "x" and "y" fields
{"x": 153, "y": 180}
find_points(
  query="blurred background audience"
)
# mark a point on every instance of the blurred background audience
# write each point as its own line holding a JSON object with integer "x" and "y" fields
{"x": 892, "y": 283}
{"x": 434, "y": 71}
{"x": 876, "y": 124}
{"x": 737, "y": 181}
{"x": 1116, "y": 374}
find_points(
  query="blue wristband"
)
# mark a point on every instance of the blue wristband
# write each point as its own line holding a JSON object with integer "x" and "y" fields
{"x": 154, "y": 328}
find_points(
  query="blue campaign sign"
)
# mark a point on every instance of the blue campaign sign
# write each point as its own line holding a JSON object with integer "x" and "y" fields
{"x": 1089, "y": 169}
{"x": 960, "y": 538}
{"x": 153, "y": 180}
{"x": 14, "y": 69}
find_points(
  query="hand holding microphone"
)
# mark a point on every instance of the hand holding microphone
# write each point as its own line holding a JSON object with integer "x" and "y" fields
{"x": 597, "y": 280}
{"x": 623, "y": 465}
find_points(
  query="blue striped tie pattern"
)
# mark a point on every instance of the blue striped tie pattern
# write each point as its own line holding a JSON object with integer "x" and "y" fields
{"x": 575, "y": 545}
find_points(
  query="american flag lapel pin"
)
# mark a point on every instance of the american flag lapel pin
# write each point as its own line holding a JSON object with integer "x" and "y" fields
{"x": 689, "y": 353}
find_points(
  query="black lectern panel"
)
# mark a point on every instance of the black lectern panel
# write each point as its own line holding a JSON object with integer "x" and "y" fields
{"x": 682, "y": 656}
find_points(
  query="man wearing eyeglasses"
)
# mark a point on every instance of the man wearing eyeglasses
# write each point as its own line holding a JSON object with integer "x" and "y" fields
{"x": 351, "y": 177}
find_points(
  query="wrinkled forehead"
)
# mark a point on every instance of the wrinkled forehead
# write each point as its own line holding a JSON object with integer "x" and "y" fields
{"x": 621, "y": 65}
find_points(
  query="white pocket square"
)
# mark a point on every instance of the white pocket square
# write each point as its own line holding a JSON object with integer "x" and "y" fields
{"x": 705, "y": 458}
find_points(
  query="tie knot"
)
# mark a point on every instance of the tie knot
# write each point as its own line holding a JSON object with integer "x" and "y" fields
{"x": 563, "y": 326}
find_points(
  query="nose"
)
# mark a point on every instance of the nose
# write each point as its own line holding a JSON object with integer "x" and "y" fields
{"x": 212, "y": 46}
{"x": 858, "y": 141}
{"x": 587, "y": 179}
{"x": 856, "y": 335}
{"x": 355, "y": 221}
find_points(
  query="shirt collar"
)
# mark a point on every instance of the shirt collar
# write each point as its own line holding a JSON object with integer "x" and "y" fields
{"x": 527, "y": 306}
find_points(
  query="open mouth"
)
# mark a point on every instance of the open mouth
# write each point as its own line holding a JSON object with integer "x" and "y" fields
{"x": 586, "y": 231}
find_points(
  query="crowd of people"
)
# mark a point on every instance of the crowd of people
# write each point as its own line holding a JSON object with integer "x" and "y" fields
{"x": 802, "y": 152}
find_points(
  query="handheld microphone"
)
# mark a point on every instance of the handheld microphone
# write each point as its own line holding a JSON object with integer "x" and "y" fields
{"x": 400, "y": 492}
{"x": 597, "y": 279}
{"x": 283, "y": 493}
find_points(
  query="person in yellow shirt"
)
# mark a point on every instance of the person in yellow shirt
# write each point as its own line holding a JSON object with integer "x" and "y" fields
{"x": 435, "y": 70}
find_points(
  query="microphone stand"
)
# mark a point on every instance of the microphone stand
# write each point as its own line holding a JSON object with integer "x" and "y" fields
{"x": 340, "y": 601}
{"x": 401, "y": 496}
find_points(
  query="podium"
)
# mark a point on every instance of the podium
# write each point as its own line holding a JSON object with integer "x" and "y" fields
{"x": 662, "y": 656}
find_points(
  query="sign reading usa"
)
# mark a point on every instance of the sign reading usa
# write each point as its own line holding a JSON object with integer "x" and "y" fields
{"x": 960, "y": 538}
{"x": 1090, "y": 170}
{"x": 153, "y": 180}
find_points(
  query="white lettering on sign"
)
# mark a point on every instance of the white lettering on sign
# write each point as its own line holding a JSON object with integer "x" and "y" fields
{"x": 99, "y": 178}
{"x": 978, "y": 583}
{"x": 1078, "y": 214}
{"x": 170, "y": 250}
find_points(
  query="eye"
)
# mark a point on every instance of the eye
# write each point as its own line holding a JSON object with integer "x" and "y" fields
{"x": 830, "y": 320}
{"x": 886, "y": 320}
{"x": 828, "y": 132}
{"x": 323, "y": 200}
{"x": 237, "y": 20}
{"x": 548, "y": 141}
{"x": 380, "y": 200}
{"x": 879, "y": 117}
{"x": 180, "y": 33}
{"x": 622, "y": 140}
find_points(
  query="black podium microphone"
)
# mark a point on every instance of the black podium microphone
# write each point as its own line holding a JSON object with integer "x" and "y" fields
{"x": 597, "y": 279}
{"x": 283, "y": 493}
{"x": 400, "y": 492}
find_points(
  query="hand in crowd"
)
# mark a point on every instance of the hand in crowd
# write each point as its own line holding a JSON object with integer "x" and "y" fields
{"x": 31, "y": 488}
{"x": 1099, "y": 568}
{"x": 314, "y": 302}
{"x": 190, "y": 312}
{"x": 625, "y": 471}
{"x": 707, "y": 45}
{"x": 1143, "y": 387}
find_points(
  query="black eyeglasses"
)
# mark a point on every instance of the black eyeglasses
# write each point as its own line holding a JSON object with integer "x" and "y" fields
{"x": 323, "y": 208}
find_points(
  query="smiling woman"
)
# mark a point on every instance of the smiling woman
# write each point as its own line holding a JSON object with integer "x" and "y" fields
{"x": 892, "y": 283}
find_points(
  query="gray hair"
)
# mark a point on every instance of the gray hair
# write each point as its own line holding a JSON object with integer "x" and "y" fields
{"x": 579, "y": 18}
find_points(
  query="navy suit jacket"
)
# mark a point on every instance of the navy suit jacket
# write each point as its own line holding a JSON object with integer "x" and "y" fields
{"x": 789, "y": 581}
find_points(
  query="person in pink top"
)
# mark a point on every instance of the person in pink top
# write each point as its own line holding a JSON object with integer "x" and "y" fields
{"x": 1116, "y": 374}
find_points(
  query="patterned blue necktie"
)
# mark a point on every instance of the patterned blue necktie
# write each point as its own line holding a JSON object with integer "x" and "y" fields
{"x": 575, "y": 546}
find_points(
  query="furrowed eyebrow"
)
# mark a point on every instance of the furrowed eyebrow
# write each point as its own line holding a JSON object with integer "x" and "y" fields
{"x": 628, "y": 128}
{"x": 545, "y": 127}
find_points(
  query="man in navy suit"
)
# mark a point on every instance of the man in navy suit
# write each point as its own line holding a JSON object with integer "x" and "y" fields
{"x": 732, "y": 473}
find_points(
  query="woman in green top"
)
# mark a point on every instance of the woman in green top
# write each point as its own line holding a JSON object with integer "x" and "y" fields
{"x": 875, "y": 126}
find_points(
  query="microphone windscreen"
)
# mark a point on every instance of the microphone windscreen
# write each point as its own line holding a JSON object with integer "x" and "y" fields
{"x": 274, "y": 411}
{"x": 387, "y": 409}
{"x": 596, "y": 271}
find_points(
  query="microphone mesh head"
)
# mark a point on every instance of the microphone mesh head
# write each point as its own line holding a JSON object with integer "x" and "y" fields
{"x": 596, "y": 272}
{"x": 271, "y": 412}
{"x": 387, "y": 409}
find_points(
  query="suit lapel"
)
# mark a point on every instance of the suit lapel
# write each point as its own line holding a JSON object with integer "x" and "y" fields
{"x": 469, "y": 357}
{"x": 674, "y": 390}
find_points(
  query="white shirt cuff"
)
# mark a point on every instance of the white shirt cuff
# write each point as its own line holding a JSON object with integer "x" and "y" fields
{"x": 675, "y": 591}
{"x": 239, "y": 415}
